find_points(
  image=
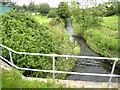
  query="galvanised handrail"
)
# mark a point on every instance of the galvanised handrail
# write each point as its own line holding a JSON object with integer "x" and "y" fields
{"x": 53, "y": 71}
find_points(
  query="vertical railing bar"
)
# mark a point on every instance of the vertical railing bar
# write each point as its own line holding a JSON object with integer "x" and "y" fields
{"x": 53, "y": 67}
{"x": 10, "y": 53}
{"x": 112, "y": 71}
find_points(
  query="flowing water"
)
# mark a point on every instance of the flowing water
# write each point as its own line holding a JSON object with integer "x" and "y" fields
{"x": 88, "y": 65}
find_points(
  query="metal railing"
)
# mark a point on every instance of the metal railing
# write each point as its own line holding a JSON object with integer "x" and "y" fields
{"x": 53, "y": 71}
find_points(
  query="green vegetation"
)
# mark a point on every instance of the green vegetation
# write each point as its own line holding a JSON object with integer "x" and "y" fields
{"x": 84, "y": 19}
{"x": 100, "y": 33}
{"x": 65, "y": 47}
{"x": 13, "y": 79}
{"x": 44, "y": 8}
{"x": 109, "y": 8}
{"x": 52, "y": 13}
{"x": 22, "y": 32}
{"x": 105, "y": 40}
{"x": 42, "y": 19}
{"x": 111, "y": 22}
{"x": 63, "y": 10}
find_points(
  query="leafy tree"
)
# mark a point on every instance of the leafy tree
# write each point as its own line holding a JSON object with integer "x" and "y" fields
{"x": 52, "y": 13}
{"x": 63, "y": 10}
{"x": 110, "y": 8}
{"x": 87, "y": 18}
{"x": 31, "y": 7}
{"x": 44, "y": 8}
{"x": 24, "y": 7}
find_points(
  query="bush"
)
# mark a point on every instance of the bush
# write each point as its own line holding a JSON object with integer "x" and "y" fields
{"x": 44, "y": 8}
{"x": 22, "y": 33}
{"x": 52, "y": 13}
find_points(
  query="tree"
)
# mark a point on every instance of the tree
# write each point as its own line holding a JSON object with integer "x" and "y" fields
{"x": 86, "y": 18}
{"x": 24, "y": 7}
{"x": 31, "y": 7}
{"x": 110, "y": 8}
{"x": 63, "y": 10}
{"x": 52, "y": 13}
{"x": 44, "y": 8}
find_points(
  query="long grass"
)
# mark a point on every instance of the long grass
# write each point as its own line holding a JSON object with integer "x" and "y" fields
{"x": 104, "y": 40}
{"x": 111, "y": 22}
{"x": 13, "y": 79}
{"x": 42, "y": 19}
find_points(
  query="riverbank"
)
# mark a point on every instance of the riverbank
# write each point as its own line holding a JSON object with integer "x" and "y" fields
{"x": 25, "y": 33}
{"x": 103, "y": 40}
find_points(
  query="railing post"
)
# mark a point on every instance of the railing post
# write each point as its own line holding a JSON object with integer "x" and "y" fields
{"x": 10, "y": 53}
{"x": 112, "y": 71}
{"x": 53, "y": 67}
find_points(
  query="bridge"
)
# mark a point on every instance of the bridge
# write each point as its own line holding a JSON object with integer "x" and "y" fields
{"x": 53, "y": 71}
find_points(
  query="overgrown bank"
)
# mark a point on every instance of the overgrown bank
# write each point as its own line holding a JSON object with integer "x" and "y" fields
{"x": 103, "y": 40}
{"x": 13, "y": 79}
{"x": 22, "y": 32}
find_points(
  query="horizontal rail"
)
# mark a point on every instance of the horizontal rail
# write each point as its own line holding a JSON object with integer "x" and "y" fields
{"x": 63, "y": 72}
{"x": 56, "y": 55}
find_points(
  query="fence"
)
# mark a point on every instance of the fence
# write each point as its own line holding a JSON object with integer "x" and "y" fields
{"x": 53, "y": 71}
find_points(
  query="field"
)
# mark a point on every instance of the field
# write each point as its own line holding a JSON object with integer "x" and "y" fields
{"x": 41, "y": 19}
{"x": 111, "y": 22}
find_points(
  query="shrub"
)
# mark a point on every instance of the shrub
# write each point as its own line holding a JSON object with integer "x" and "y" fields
{"x": 44, "y": 8}
{"x": 52, "y": 13}
{"x": 22, "y": 33}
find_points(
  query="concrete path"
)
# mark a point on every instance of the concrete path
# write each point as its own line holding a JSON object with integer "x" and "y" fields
{"x": 78, "y": 84}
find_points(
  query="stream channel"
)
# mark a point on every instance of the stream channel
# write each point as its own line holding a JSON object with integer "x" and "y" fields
{"x": 88, "y": 65}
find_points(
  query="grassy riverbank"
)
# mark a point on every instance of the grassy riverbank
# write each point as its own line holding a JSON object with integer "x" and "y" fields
{"x": 65, "y": 46}
{"x": 104, "y": 40}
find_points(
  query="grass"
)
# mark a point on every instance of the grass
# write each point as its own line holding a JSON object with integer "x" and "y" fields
{"x": 42, "y": 19}
{"x": 111, "y": 22}
{"x": 105, "y": 40}
{"x": 13, "y": 79}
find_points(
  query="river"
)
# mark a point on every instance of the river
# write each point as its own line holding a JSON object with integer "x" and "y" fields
{"x": 88, "y": 65}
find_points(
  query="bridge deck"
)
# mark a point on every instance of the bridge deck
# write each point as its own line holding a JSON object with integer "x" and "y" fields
{"x": 68, "y": 83}
{"x": 79, "y": 84}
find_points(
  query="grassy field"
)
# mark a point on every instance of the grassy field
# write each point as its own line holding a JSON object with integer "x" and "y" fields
{"x": 42, "y": 19}
{"x": 13, "y": 79}
{"x": 111, "y": 22}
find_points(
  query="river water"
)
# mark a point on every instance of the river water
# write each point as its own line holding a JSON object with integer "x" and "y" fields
{"x": 88, "y": 65}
